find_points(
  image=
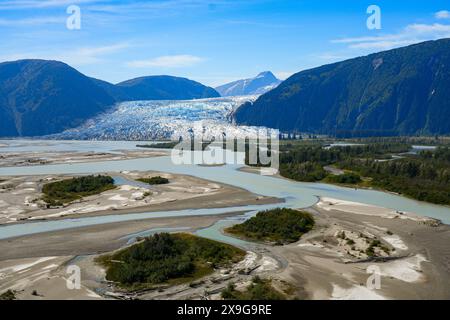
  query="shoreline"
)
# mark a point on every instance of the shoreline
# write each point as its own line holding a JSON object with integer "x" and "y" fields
{"x": 17, "y": 205}
{"x": 172, "y": 206}
{"x": 412, "y": 254}
{"x": 48, "y": 158}
{"x": 79, "y": 240}
{"x": 256, "y": 170}
{"x": 318, "y": 269}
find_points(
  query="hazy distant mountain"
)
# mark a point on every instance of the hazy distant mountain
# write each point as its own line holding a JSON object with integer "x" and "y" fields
{"x": 401, "y": 91}
{"x": 165, "y": 88}
{"x": 262, "y": 83}
{"x": 40, "y": 97}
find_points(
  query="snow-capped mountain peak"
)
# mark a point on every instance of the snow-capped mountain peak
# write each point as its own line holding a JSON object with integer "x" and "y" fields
{"x": 262, "y": 83}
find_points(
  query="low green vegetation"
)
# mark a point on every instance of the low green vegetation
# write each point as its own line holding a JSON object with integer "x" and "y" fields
{"x": 154, "y": 180}
{"x": 160, "y": 145}
{"x": 147, "y": 194}
{"x": 279, "y": 225}
{"x": 302, "y": 171}
{"x": 8, "y": 295}
{"x": 370, "y": 251}
{"x": 305, "y": 162}
{"x": 65, "y": 191}
{"x": 346, "y": 178}
{"x": 168, "y": 258}
{"x": 173, "y": 144}
{"x": 425, "y": 177}
{"x": 382, "y": 163}
{"x": 259, "y": 289}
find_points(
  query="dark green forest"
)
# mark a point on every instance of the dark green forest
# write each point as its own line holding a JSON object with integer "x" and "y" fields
{"x": 165, "y": 257}
{"x": 425, "y": 177}
{"x": 279, "y": 225}
{"x": 154, "y": 180}
{"x": 384, "y": 165}
{"x": 382, "y": 94}
{"x": 65, "y": 191}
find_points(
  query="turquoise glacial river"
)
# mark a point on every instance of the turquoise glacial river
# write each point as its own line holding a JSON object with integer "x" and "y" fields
{"x": 295, "y": 194}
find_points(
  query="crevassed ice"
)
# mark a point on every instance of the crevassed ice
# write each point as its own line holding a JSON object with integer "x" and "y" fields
{"x": 147, "y": 120}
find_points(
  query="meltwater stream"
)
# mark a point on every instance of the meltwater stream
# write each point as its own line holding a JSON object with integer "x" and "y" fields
{"x": 295, "y": 194}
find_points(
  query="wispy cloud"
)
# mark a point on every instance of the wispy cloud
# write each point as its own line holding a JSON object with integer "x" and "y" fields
{"x": 74, "y": 57}
{"x": 102, "y": 50}
{"x": 443, "y": 14}
{"x": 176, "y": 61}
{"x": 35, "y": 4}
{"x": 31, "y": 21}
{"x": 158, "y": 7}
{"x": 91, "y": 55}
{"x": 411, "y": 34}
{"x": 259, "y": 24}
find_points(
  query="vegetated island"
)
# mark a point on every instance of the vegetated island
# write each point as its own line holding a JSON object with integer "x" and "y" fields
{"x": 65, "y": 191}
{"x": 186, "y": 145}
{"x": 154, "y": 180}
{"x": 167, "y": 259}
{"x": 160, "y": 145}
{"x": 279, "y": 226}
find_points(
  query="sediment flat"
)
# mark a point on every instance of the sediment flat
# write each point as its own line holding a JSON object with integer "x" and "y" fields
{"x": 413, "y": 257}
{"x": 319, "y": 266}
{"x": 418, "y": 266}
{"x": 28, "y": 158}
{"x": 95, "y": 239}
{"x": 20, "y": 197}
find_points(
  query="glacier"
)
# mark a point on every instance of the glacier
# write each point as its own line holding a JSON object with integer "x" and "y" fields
{"x": 168, "y": 120}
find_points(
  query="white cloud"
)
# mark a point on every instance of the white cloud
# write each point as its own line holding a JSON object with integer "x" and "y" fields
{"x": 31, "y": 21}
{"x": 33, "y": 4}
{"x": 413, "y": 33}
{"x": 158, "y": 5}
{"x": 383, "y": 45}
{"x": 176, "y": 61}
{"x": 74, "y": 57}
{"x": 89, "y": 55}
{"x": 103, "y": 50}
{"x": 443, "y": 14}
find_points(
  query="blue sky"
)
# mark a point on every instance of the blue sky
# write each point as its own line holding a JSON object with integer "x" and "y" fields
{"x": 213, "y": 41}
